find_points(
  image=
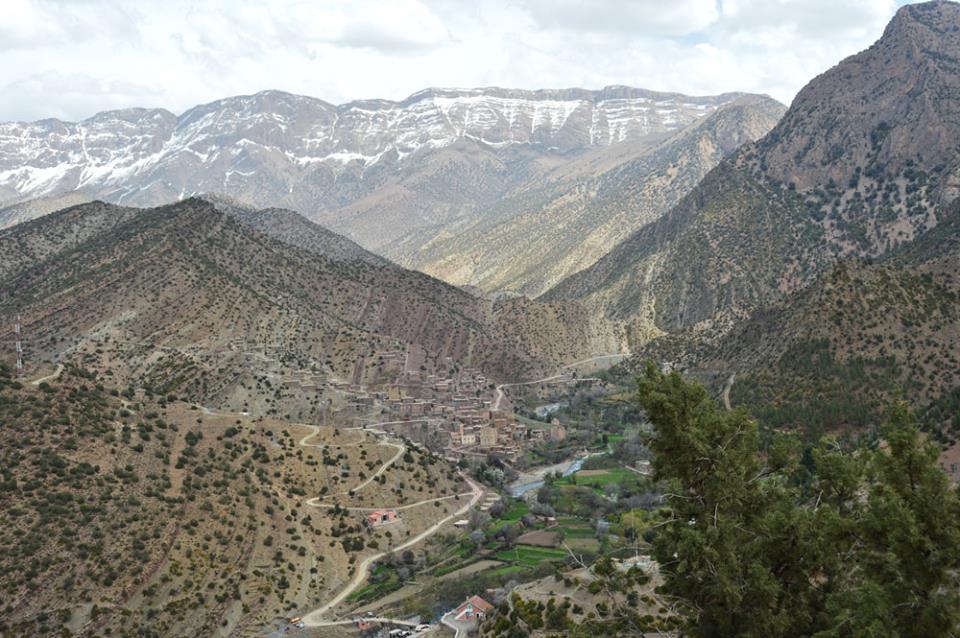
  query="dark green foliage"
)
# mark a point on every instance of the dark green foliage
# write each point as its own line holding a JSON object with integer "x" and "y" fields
{"x": 848, "y": 393}
{"x": 870, "y": 547}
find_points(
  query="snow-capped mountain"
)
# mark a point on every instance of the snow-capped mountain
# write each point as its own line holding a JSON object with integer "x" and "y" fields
{"x": 277, "y": 148}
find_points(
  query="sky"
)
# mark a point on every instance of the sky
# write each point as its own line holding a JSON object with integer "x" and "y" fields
{"x": 72, "y": 58}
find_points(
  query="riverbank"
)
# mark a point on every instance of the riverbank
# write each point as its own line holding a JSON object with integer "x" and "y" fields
{"x": 533, "y": 479}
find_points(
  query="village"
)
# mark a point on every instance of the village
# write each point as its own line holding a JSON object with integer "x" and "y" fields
{"x": 457, "y": 415}
{"x": 406, "y": 399}
{"x": 454, "y": 412}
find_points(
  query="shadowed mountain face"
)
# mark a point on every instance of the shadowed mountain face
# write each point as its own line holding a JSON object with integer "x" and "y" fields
{"x": 832, "y": 356}
{"x": 151, "y": 293}
{"x": 864, "y": 161}
{"x": 561, "y": 224}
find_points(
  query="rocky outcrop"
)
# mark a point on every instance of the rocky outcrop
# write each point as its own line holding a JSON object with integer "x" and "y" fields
{"x": 863, "y": 162}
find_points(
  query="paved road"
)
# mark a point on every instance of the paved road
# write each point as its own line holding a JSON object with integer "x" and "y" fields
{"x": 459, "y": 629}
{"x": 315, "y": 618}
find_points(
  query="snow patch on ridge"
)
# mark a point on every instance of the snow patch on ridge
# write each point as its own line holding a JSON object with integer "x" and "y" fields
{"x": 120, "y": 150}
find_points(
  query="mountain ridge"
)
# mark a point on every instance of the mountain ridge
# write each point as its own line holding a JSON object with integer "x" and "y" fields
{"x": 532, "y": 239}
{"x": 745, "y": 237}
{"x": 438, "y": 158}
{"x": 163, "y": 296}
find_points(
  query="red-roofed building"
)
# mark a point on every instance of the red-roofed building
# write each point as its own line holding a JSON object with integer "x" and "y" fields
{"x": 473, "y": 608}
{"x": 382, "y": 517}
{"x": 364, "y": 625}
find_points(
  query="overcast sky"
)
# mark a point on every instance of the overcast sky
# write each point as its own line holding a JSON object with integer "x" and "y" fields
{"x": 72, "y": 58}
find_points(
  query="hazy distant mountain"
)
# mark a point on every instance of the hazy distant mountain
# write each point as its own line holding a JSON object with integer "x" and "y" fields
{"x": 564, "y": 222}
{"x": 294, "y": 229}
{"x": 33, "y": 208}
{"x": 864, "y": 161}
{"x": 374, "y": 170}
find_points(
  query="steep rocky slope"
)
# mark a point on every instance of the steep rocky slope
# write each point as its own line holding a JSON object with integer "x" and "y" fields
{"x": 129, "y": 514}
{"x": 163, "y": 294}
{"x": 530, "y": 240}
{"x": 864, "y": 161}
{"x": 832, "y": 356}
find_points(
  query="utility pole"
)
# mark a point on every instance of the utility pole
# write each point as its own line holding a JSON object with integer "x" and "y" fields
{"x": 19, "y": 347}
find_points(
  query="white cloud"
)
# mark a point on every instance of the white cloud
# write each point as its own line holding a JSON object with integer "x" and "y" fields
{"x": 30, "y": 24}
{"x": 177, "y": 53}
{"x": 646, "y": 17}
{"x": 75, "y": 93}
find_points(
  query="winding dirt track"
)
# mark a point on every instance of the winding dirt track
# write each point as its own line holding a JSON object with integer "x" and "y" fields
{"x": 726, "y": 391}
{"x": 315, "y": 502}
{"x": 496, "y": 402}
{"x": 49, "y": 377}
{"x": 315, "y": 618}
{"x": 499, "y": 396}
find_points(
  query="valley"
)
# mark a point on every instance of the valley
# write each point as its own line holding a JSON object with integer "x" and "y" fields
{"x": 491, "y": 362}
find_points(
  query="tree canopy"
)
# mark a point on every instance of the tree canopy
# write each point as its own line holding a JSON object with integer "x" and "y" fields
{"x": 852, "y": 542}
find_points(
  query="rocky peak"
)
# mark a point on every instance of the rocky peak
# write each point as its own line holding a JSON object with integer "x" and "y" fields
{"x": 864, "y": 162}
{"x": 890, "y": 108}
{"x": 927, "y": 22}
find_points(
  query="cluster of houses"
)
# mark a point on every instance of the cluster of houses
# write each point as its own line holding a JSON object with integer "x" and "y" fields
{"x": 452, "y": 415}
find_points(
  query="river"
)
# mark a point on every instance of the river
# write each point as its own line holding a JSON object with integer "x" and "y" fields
{"x": 519, "y": 488}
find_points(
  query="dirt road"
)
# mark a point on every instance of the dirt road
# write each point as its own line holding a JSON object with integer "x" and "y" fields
{"x": 315, "y": 618}
{"x": 499, "y": 397}
{"x": 49, "y": 377}
{"x": 726, "y": 391}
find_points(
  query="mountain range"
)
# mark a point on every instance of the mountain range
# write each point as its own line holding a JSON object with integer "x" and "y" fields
{"x": 206, "y": 284}
{"x": 401, "y": 177}
{"x": 664, "y": 223}
{"x": 546, "y": 230}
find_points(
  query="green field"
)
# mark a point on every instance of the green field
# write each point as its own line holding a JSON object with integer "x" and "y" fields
{"x": 579, "y": 531}
{"x": 373, "y": 591}
{"x": 530, "y": 556}
{"x": 517, "y": 510}
{"x": 619, "y": 475}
